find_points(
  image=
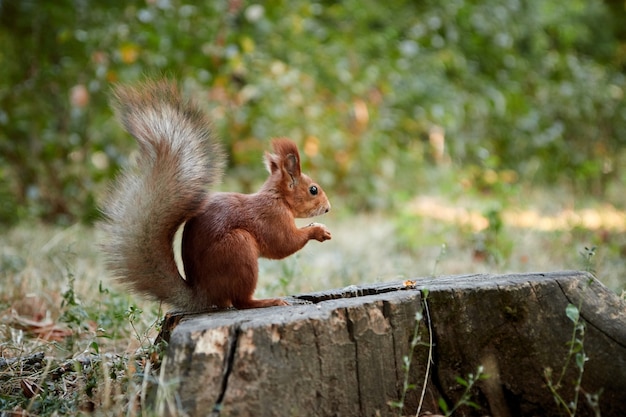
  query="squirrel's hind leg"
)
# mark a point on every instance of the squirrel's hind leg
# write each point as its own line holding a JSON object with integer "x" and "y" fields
{"x": 237, "y": 278}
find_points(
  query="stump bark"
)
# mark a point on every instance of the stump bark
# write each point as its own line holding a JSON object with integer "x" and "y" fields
{"x": 345, "y": 352}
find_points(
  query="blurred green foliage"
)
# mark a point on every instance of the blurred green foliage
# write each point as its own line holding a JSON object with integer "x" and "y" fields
{"x": 374, "y": 92}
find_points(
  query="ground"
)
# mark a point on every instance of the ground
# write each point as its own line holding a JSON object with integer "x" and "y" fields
{"x": 85, "y": 344}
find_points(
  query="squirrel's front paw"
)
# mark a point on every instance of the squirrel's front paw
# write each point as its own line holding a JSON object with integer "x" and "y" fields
{"x": 319, "y": 232}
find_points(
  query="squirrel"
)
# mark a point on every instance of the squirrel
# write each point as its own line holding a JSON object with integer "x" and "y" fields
{"x": 224, "y": 233}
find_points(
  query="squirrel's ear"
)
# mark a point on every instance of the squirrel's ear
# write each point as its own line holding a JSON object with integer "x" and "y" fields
{"x": 289, "y": 164}
{"x": 272, "y": 164}
{"x": 292, "y": 165}
{"x": 286, "y": 157}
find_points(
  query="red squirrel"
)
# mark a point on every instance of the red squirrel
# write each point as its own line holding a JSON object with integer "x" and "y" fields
{"x": 224, "y": 233}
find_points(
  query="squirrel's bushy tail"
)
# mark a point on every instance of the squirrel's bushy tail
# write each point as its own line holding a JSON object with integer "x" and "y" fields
{"x": 177, "y": 162}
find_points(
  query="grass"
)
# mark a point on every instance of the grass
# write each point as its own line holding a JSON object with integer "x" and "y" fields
{"x": 71, "y": 341}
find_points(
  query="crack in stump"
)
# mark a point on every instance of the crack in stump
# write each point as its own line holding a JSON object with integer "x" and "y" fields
{"x": 228, "y": 368}
{"x": 588, "y": 321}
{"x": 352, "y": 336}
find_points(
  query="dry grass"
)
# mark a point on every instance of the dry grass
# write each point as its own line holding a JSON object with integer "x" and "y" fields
{"x": 71, "y": 341}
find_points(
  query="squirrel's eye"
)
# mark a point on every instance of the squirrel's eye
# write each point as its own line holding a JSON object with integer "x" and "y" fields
{"x": 313, "y": 190}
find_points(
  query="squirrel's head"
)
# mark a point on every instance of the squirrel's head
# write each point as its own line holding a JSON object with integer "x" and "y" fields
{"x": 304, "y": 197}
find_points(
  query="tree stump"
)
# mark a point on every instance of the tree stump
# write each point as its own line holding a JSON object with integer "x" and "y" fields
{"x": 345, "y": 352}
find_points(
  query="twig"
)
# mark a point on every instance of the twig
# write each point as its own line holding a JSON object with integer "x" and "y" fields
{"x": 430, "y": 357}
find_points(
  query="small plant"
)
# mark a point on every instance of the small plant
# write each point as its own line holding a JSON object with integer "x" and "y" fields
{"x": 73, "y": 314}
{"x": 440, "y": 257}
{"x": 466, "y": 397}
{"x": 576, "y": 353}
{"x": 407, "y": 386}
{"x": 408, "y": 359}
{"x": 133, "y": 315}
{"x": 588, "y": 259}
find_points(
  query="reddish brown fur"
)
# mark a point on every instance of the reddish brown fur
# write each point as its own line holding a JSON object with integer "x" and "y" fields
{"x": 225, "y": 233}
{"x": 221, "y": 246}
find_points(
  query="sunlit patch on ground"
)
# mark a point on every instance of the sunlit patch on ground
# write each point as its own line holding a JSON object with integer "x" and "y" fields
{"x": 605, "y": 217}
